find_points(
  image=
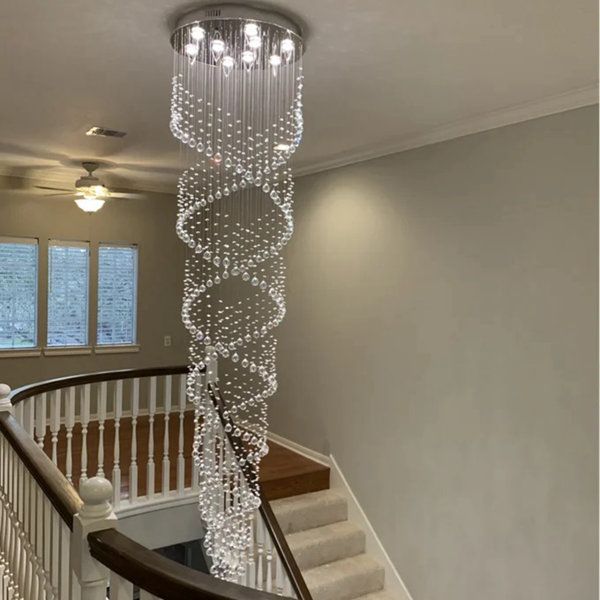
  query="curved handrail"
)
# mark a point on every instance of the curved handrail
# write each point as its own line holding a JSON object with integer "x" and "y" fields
{"x": 143, "y": 567}
{"x": 59, "y": 491}
{"x": 27, "y": 391}
{"x": 161, "y": 576}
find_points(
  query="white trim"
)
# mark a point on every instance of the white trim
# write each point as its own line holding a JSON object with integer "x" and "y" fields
{"x": 393, "y": 582}
{"x": 510, "y": 115}
{"x": 67, "y": 350}
{"x": 117, "y": 349}
{"x": 4, "y": 239}
{"x": 158, "y": 502}
{"x": 298, "y": 449}
{"x": 18, "y": 353}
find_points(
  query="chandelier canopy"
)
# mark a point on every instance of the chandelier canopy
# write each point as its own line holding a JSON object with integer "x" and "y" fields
{"x": 236, "y": 108}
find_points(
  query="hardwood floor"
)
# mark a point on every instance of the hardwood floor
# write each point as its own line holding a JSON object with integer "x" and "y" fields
{"x": 284, "y": 473}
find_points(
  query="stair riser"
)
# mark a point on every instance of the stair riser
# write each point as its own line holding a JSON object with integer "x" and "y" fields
{"x": 294, "y": 519}
{"x": 325, "y": 551}
{"x": 349, "y": 587}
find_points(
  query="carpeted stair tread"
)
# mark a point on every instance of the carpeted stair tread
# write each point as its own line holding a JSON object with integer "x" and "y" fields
{"x": 308, "y": 511}
{"x": 345, "y": 579}
{"x": 326, "y": 544}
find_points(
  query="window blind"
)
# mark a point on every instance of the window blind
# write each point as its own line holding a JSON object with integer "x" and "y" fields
{"x": 117, "y": 294}
{"x": 18, "y": 292}
{"x": 68, "y": 276}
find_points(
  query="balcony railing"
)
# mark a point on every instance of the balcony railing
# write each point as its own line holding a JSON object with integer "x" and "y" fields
{"x": 65, "y": 474}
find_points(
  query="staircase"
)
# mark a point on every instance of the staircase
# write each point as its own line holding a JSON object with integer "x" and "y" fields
{"x": 329, "y": 550}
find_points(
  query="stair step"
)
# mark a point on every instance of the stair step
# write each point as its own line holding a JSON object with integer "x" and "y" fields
{"x": 345, "y": 579}
{"x": 308, "y": 511}
{"x": 321, "y": 545}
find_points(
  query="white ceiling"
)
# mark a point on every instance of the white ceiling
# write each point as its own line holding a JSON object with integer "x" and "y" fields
{"x": 380, "y": 75}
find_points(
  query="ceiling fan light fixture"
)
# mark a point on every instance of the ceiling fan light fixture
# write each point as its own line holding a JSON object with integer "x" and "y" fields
{"x": 90, "y": 204}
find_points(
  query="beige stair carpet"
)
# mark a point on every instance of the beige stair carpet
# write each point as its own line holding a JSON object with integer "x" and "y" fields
{"x": 329, "y": 550}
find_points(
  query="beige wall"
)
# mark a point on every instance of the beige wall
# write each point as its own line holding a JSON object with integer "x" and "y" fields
{"x": 441, "y": 342}
{"x": 148, "y": 222}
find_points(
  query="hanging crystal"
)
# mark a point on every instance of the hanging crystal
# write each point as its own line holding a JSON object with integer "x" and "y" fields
{"x": 236, "y": 107}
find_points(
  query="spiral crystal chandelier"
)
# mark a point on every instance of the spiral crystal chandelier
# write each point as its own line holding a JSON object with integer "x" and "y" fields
{"x": 236, "y": 108}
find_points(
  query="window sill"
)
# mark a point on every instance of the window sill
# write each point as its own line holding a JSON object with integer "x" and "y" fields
{"x": 20, "y": 352}
{"x": 67, "y": 350}
{"x": 119, "y": 349}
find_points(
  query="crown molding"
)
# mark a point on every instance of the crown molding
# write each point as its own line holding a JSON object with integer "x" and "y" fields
{"x": 518, "y": 113}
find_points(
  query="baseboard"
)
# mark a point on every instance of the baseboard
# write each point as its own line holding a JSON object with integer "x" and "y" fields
{"x": 299, "y": 449}
{"x": 394, "y": 585}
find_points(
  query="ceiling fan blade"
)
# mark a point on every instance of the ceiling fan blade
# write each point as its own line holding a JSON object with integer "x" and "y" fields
{"x": 128, "y": 195}
{"x": 54, "y": 189}
{"x": 59, "y": 194}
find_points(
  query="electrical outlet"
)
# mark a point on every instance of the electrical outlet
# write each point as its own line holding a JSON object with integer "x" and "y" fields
{"x": 167, "y": 341}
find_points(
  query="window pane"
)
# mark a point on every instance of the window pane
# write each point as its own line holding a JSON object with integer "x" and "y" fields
{"x": 117, "y": 294}
{"x": 18, "y": 293}
{"x": 68, "y": 272}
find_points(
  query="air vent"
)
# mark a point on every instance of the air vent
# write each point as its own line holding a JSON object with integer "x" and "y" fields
{"x": 213, "y": 12}
{"x": 103, "y": 132}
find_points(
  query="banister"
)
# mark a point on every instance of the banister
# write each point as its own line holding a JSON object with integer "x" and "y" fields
{"x": 33, "y": 389}
{"x": 59, "y": 491}
{"x": 161, "y": 576}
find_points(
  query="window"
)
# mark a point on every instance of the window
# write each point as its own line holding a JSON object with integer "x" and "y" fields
{"x": 68, "y": 275}
{"x": 18, "y": 292}
{"x": 117, "y": 294}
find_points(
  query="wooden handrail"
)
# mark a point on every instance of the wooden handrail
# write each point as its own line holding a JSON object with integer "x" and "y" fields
{"x": 58, "y": 490}
{"x": 161, "y": 576}
{"x": 289, "y": 562}
{"x": 27, "y": 391}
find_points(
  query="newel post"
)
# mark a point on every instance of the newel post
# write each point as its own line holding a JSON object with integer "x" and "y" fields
{"x": 96, "y": 514}
{"x": 5, "y": 404}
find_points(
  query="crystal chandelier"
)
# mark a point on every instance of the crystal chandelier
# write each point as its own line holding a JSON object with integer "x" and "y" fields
{"x": 236, "y": 108}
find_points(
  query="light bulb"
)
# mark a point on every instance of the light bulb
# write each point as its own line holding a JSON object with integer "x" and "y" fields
{"x": 275, "y": 60}
{"x": 251, "y": 29}
{"x": 248, "y": 56}
{"x": 287, "y": 45}
{"x": 217, "y": 47}
{"x": 191, "y": 49}
{"x": 89, "y": 204}
{"x": 228, "y": 63}
{"x": 255, "y": 42}
{"x": 197, "y": 33}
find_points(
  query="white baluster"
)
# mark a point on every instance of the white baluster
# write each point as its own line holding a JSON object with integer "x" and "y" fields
{"x": 260, "y": 561}
{"x": 120, "y": 588}
{"x": 279, "y": 574}
{"x": 166, "y": 463}
{"x": 19, "y": 412}
{"x": 150, "y": 467}
{"x": 269, "y": 560}
{"x": 251, "y": 565}
{"x": 96, "y": 514}
{"x": 180, "y": 457}
{"x": 116, "y": 476}
{"x": 40, "y": 421}
{"x": 133, "y": 468}
{"x": 101, "y": 421}
{"x": 69, "y": 424}
{"x": 85, "y": 420}
{"x": 28, "y": 415}
{"x": 54, "y": 422}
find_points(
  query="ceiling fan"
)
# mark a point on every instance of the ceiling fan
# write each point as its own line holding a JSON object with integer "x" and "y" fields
{"x": 90, "y": 192}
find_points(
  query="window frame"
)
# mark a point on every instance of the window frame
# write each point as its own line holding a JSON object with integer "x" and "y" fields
{"x": 57, "y": 350}
{"x": 34, "y": 350}
{"x": 129, "y": 346}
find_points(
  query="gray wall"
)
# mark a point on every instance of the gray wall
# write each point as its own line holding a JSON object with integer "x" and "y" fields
{"x": 441, "y": 342}
{"x": 148, "y": 222}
